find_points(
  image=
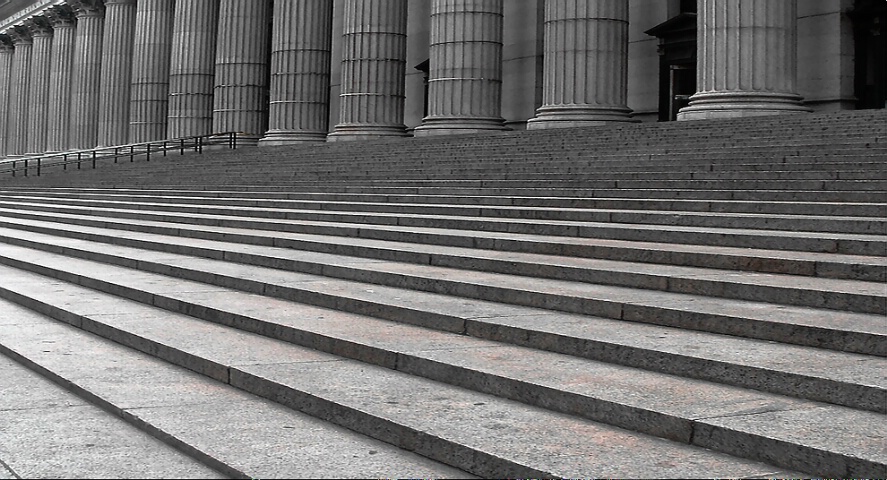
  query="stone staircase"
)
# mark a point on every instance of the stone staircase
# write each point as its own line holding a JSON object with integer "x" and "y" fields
{"x": 699, "y": 299}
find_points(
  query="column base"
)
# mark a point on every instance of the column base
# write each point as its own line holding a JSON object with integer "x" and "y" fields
{"x": 346, "y": 133}
{"x": 566, "y": 117}
{"x": 714, "y": 105}
{"x": 275, "y": 138}
{"x": 459, "y": 126}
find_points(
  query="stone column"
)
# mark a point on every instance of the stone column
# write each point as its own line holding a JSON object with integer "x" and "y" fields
{"x": 373, "y": 68}
{"x": 17, "y": 126}
{"x": 192, "y": 68}
{"x": 747, "y": 52}
{"x": 300, "y": 72}
{"x": 241, "y": 69}
{"x": 87, "y": 70}
{"x": 585, "y": 79}
{"x": 465, "y": 80}
{"x": 38, "y": 89}
{"x": 6, "y": 53}
{"x": 114, "y": 83}
{"x": 150, "y": 73}
{"x": 60, "y": 75}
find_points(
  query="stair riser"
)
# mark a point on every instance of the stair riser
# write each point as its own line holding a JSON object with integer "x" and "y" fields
{"x": 699, "y": 433}
{"x": 856, "y": 396}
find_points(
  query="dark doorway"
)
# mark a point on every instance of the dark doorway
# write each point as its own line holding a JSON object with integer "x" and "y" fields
{"x": 677, "y": 61}
{"x": 870, "y": 39}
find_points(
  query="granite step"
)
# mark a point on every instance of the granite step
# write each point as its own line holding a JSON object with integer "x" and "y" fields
{"x": 496, "y": 253}
{"x": 417, "y": 360}
{"x": 709, "y": 356}
{"x": 49, "y": 432}
{"x": 407, "y": 228}
{"x": 452, "y": 205}
{"x": 192, "y": 412}
{"x": 845, "y": 295}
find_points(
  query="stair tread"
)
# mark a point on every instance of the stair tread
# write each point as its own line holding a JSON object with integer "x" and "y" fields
{"x": 55, "y": 434}
{"x": 809, "y": 291}
{"x": 256, "y": 354}
{"x": 814, "y": 365}
{"x": 201, "y": 412}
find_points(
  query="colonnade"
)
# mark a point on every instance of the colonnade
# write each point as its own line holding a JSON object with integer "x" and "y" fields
{"x": 86, "y": 73}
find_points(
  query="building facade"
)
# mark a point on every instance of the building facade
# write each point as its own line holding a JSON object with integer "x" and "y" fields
{"x": 76, "y": 74}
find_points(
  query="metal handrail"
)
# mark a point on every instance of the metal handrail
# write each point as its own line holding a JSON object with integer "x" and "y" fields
{"x": 36, "y": 164}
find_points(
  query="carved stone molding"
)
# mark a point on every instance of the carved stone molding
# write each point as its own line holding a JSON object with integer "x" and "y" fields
{"x": 87, "y": 8}
{"x": 20, "y": 35}
{"x": 61, "y": 16}
{"x": 39, "y": 26}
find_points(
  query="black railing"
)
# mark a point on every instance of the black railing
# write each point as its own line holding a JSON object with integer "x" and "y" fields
{"x": 26, "y": 166}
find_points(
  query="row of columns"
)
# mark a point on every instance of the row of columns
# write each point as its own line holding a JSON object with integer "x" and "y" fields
{"x": 141, "y": 70}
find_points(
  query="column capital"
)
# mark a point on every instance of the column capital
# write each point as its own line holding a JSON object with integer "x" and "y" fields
{"x": 6, "y": 43}
{"x": 61, "y": 16}
{"x": 20, "y": 35}
{"x": 87, "y": 8}
{"x": 39, "y": 26}
{"x": 119, "y": 2}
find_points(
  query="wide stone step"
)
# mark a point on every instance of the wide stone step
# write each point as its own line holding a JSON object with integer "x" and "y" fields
{"x": 539, "y": 221}
{"x": 454, "y": 205}
{"x": 195, "y": 413}
{"x": 823, "y": 376}
{"x": 854, "y": 296}
{"x": 489, "y": 238}
{"x": 567, "y": 385}
{"x": 491, "y": 253}
{"x": 51, "y": 433}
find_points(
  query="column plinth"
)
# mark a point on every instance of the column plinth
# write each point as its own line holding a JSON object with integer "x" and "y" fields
{"x": 6, "y": 53}
{"x": 17, "y": 119}
{"x": 114, "y": 83}
{"x": 747, "y": 52}
{"x": 149, "y": 107}
{"x": 585, "y": 80}
{"x": 192, "y": 68}
{"x": 241, "y": 75}
{"x": 373, "y": 68}
{"x": 465, "y": 80}
{"x": 87, "y": 72}
{"x": 60, "y": 76}
{"x": 300, "y": 72}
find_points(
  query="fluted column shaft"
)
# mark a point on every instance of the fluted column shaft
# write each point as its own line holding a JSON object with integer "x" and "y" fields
{"x": 60, "y": 75}
{"x": 300, "y": 72}
{"x": 38, "y": 94}
{"x": 585, "y": 77}
{"x": 17, "y": 128}
{"x": 149, "y": 108}
{"x": 747, "y": 52}
{"x": 87, "y": 73}
{"x": 465, "y": 78}
{"x": 116, "y": 72}
{"x": 6, "y": 53}
{"x": 241, "y": 75}
{"x": 373, "y": 68}
{"x": 192, "y": 68}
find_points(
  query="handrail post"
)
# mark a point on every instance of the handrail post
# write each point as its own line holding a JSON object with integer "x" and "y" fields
{"x": 148, "y": 152}
{"x": 131, "y": 152}
{"x": 26, "y": 167}
{"x": 199, "y": 144}
{"x": 65, "y": 162}
{"x": 164, "y": 148}
{"x": 116, "y": 153}
{"x": 79, "y": 158}
{"x": 182, "y": 147}
{"x": 38, "y": 165}
{"x": 14, "y": 167}
{"x": 93, "y": 159}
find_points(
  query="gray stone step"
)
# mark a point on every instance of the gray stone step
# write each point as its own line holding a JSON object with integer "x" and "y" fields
{"x": 493, "y": 252}
{"x": 396, "y": 228}
{"x": 51, "y": 433}
{"x": 823, "y": 376}
{"x": 506, "y": 217}
{"x": 198, "y": 414}
{"x": 845, "y": 295}
{"x": 566, "y": 385}
{"x": 460, "y": 205}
